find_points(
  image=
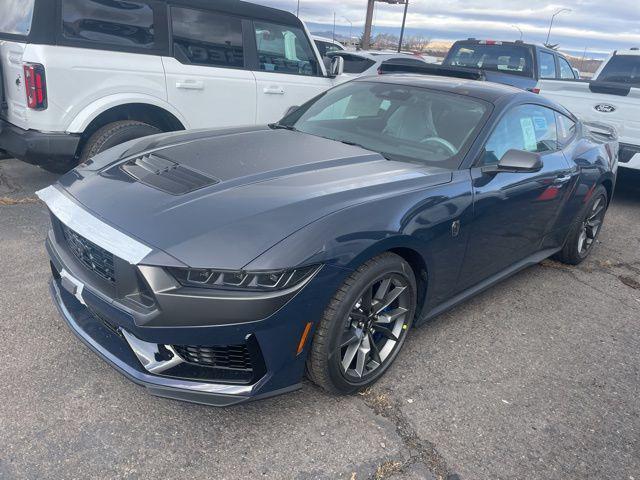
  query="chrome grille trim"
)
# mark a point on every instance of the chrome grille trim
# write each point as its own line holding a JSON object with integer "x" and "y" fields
{"x": 90, "y": 227}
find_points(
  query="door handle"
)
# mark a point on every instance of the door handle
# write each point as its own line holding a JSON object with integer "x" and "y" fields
{"x": 274, "y": 90}
{"x": 190, "y": 85}
{"x": 562, "y": 179}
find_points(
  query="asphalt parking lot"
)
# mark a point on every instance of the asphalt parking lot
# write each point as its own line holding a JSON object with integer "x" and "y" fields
{"x": 537, "y": 378}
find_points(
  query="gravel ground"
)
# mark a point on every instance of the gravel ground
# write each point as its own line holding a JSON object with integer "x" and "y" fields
{"x": 537, "y": 378}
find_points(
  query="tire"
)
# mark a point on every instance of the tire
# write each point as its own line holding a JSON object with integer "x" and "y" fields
{"x": 341, "y": 320}
{"x": 104, "y": 138}
{"x": 584, "y": 233}
{"x": 114, "y": 134}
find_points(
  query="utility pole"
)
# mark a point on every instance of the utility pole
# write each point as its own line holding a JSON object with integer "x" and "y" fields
{"x": 558, "y": 12}
{"x": 366, "y": 37}
{"x": 404, "y": 22}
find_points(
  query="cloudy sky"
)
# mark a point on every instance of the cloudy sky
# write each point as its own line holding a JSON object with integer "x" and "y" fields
{"x": 599, "y": 25}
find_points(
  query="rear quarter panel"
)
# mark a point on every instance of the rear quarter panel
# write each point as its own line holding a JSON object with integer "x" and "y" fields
{"x": 78, "y": 81}
{"x": 593, "y": 165}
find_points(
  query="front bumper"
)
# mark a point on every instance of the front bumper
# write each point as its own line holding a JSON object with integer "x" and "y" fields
{"x": 116, "y": 352}
{"x": 140, "y": 340}
{"x": 38, "y": 148}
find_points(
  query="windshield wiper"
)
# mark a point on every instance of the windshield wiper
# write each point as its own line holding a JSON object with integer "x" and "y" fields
{"x": 385, "y": 155}
{"x": 282, "y": 126}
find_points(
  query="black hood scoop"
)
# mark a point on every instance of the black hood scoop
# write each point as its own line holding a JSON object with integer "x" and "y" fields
{"x": 163, "y": 174}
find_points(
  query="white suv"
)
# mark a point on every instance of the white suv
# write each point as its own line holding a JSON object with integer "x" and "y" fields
{"x": 80, "y": 76}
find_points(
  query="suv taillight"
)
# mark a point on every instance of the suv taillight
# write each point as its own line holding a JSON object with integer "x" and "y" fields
{"x": 36, "y": 86}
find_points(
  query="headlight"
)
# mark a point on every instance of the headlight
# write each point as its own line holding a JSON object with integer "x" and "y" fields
{"x": 242, "y": 280}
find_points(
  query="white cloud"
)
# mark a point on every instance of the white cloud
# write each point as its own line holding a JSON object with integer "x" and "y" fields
{"x": 596, "y": 24}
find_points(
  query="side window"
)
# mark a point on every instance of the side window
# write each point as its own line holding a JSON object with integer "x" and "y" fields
{"x": 323, "y": 47}
{"x": 356, "y": 64}
{"x": 566, "y": 129}
{"x": 566, "y": 72}
{"x": 205, "y": 38}
{"x": 526, "y": 127}
{"x": 547, "y": 65}
{"x": 123, "y": 23}
{"x": 284, "y": 49}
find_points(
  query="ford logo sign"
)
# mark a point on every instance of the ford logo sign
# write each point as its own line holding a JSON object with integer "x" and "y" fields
{"x": 605, "y": 108}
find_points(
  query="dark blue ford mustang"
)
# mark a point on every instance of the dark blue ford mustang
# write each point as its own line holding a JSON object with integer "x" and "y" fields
{"x": 219, "y": 266}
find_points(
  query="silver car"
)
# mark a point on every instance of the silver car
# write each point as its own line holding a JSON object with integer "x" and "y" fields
{"x": 363, "y": 63}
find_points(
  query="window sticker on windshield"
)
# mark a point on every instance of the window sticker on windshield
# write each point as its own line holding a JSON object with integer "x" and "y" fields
{"x": 529, "y": 134}
{"x": 541, "y": 123}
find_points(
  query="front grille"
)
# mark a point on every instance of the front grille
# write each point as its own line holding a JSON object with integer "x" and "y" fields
{"x": 236, "y": 357}
{"x": 90, "y": 255}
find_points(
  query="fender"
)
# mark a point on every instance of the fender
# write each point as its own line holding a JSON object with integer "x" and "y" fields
{"x": 94, "y": 109}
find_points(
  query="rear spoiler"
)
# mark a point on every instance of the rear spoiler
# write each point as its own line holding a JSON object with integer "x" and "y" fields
{"x": 602, "y": 129}
{"x": 393, "y": 66}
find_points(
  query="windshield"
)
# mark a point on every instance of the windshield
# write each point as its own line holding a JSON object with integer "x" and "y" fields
{"x": 622, "y": 69}
{"x": 16, "y": 16}
{"x": 512, "y": 59}
{"x": 401, "y": 122}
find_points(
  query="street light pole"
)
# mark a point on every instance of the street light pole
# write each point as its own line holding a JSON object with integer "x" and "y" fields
{"x": 404, "y": 21}
{"x": 298, "y": 11}
{"x": 334, "y": 26}
{"x": 350, "y": 29}
{"x": 558, "y": 12}
{"x": 519, "y": 29}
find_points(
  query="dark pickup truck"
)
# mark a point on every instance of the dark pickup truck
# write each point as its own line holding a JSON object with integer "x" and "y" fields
{"x": 517, "y": 63}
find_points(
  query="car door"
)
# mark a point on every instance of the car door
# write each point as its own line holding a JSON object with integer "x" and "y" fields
{"x": 287, "y": 73}
{"x": 516, "y": 214}
{"x": 207, "y": 80}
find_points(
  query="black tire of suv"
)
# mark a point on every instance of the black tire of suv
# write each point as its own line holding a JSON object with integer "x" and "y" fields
{"x": 114, "y": 134}
{"x": 569, "y": 253}
{"x": 322, "y": 366}
{"x": 106, "y": 137}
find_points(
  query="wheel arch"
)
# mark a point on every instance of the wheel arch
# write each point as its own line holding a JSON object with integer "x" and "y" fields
{"x": 111, "y": 109}
{"x": 608, "y": 184}
{"x": 409, "y": 250}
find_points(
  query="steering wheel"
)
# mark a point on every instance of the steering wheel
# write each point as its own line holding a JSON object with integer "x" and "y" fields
{"x": 441, "y": 142}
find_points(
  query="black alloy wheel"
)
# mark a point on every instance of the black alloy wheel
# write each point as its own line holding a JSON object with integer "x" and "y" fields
{"x": 365, "y": 326}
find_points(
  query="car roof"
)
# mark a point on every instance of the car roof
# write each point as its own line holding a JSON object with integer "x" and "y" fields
{"x": 245, "y": 9}
{"x": 488, "y": 91}
{"x": 631, "y": 51}
{"x": 325, "y": 39}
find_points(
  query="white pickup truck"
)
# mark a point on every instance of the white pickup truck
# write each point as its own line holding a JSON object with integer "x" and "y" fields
{"x": 611, "y": 97}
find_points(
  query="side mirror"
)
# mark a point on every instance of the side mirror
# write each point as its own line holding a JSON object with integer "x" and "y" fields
{"x": 291, "y": 109}
{"x": 517, "y": 161}
{"x": 337, "y": 66}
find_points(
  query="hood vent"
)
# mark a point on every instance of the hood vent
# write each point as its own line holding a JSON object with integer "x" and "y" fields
{"x": 163, "y": 174}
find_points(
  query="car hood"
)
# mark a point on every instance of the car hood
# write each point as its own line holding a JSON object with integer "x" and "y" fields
{"x": 250, "y": 189}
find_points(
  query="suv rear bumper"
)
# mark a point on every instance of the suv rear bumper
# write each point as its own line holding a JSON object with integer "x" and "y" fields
{"x": 37, "y": 148}
{"x": 629, "y": 156}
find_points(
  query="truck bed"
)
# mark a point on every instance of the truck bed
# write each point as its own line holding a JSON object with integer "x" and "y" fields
{"x": 617, "y": 105}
